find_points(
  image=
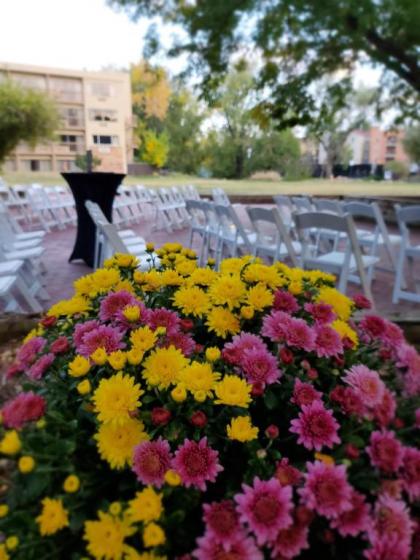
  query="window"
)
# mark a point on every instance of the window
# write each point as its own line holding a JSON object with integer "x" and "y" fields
{"x": 102, "y": 89}
{"x": 67, "y": 89}
{"x": 30, "y": 81}
{"x": 390, "y": 150}
{"x": 102, "y": 115}
{"x": 392, "y": 140}
{"x": 36, "y": 165}
{"x": 72, "y": 116}
{"x": 74, "y": 142}
{"x": 66, "y": 165}
{"x": 105, "y": 140}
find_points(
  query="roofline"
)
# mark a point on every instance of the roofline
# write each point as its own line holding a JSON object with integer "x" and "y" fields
{"x": 32, "y": 68}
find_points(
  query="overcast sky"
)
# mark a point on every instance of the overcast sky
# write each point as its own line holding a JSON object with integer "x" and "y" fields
{"x": 78, "y": 34}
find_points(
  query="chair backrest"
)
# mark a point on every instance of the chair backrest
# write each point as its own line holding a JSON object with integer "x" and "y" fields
{"x": 220, "y": 197}
{"x": 196, "y": 212}
{"x": 302, "y": 204}
{"x": 327, "y": 205}
{"x": 95, "y": 212}
{"x": 407, "y": 216}
{"x": 230, "y": 223}
{"x": 360, "y": 209}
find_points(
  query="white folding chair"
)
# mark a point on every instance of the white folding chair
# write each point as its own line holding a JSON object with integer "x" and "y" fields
{"x": 285, "y": 207}
{"x": 9, "y": 303}
{"x": 343, "y": 263}
{"x": 407, "y": 217}
{"x": 198, "y": 225}
{"x": 232, "y": 236}
{"x": 220, "y": 197}
{"x": 273, "y": 239}
{"x": 112, "y": 243}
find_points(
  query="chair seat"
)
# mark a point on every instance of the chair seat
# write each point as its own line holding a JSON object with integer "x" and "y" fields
{"x": 412, "y": 251}
{"x": 8, "y": 268}
{"x": 6, "y": 283}
{"x": 24, "y": 236}
{"x": 21, "y": 245}
{"x": 337, "y": 259}
{"x": 33, "y": 253}
{"x": 368, "y": 238}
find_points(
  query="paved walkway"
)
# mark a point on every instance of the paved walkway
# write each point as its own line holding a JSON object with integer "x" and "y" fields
{"x": 61, "y": 273}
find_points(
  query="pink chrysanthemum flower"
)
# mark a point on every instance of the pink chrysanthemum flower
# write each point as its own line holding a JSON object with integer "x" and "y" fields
{"x": 386, "y": 548}
{"x": 385, "y": 411}
{"x": 181, "y": 341}
{"x": 114, "y": 303}
{"x": 108, "y": 338}
{"x": 151, "y": 460}
{"x": 372, "y": 327}
{"x": 355, "y": 520}
{"x": 290, "y": 542}
{"x": 287, "y": 474}
{"x": 37, "y": 370}
{"x": 304, "y": 393}
{"x": 315, "y": 426}
{"x": 392, "y": 521}
{"x": 410, "y": 472}
{"x": 222, "y": 521}
{"x": 328, "y": 342}
{"x": 233, "y": 351}
{"x": 164, "y": 318}
{"x": 276, "y": 325}
{"x": 322, "y": 313}
{"x": 60, "y": 345}
{"x": 362, "y": 302}
{"x": 326, "y": 489}
{"x": 300, "y": 335}
{"x": 27, "y": 354}
{"x": 285, "y": 301}
{"x": 393, "y": 335}
{"x": 196, "y": 463}
{"x": 243, "y": 548}
{"x": 385, "y": 451}
{"x": 265, "y": 507}
{"x": 349, "y": 400}
{"x": 367, "y": 383}
{"x": 82, "y": 329}
{"x": 26, "y": 407}
{"x": 260, "y": 366}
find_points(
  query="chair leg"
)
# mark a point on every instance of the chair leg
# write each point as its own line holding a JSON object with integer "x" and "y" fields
{"x": 31, "y": 301}
{"x": 398, "y": 277}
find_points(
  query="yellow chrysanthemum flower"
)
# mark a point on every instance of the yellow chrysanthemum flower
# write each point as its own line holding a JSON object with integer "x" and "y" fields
{"x": 4, "y": 510}
{"x": 151, "y": 280}
{"x": 105, "y": 537}
{"x": 179, "y": 393}
{"x": 345, "y": 331}
{"x": 3, "y": 552}
{"x": 199, "y": 377}
{"x": 227, "y": 290}
{"x": 122, "y": 260}
{"x": 103, "y": 280}
{"x": 10, "y": 444}
{"x": 259, "y": 297}
{"x": 124, "y": 285}
{"x": 117, "y": 360}
{"x": 295, "y": 287}
{"x": 78, "y": 367}
{"x": 213, "y": 354}
{"x": 146, "y": 506}
{"x": 171, "y": 278}
{"x": 192, "y": 301}
{"x": 172, "y": 478}
{"x": 261, "y": 273}
{"x": 340, "y": 303}
{"x": 153, "y": 535}
{"x": 116, "y": 443}
{"x": 99, "y": 357}
{"x": 69, "y": 307}
{"x": 233, "y": 265}
{"x": 143, "y": 339}
{"x": 163, "y": 366}
{"x": 53, "y": 517}
{"x": 132, "y": 554}
{"x": 233, "y": 391}
{"x": 247, "y": 312}
{"x": 171, "y": 247}
{"x": 12, "y": 542}
{"x": 84, "y": 387}
{"x": 71, "y": 484}
{"x": 223, "y": 322}
{"x": 115, "y": 508}
{"x": 26, "y": 464}
{"x": 135, "y": 356}
{"x": 185, "y": 266}
{"x": 202, "y": 277}
{"x": 116, "y": 398}
{"x": 83, "y": 285}
{"x": 131, "y": 313}
{"x": 241, "y": 429}
{"x": 327, "y": 459}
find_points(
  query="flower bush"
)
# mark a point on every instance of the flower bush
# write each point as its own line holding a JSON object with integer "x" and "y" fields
{"x": 188, "y": 413}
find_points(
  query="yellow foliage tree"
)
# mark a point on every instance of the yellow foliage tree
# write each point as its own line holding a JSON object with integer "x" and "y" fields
{"x": 150, "y": 90}
{"x": 154, "y": 149}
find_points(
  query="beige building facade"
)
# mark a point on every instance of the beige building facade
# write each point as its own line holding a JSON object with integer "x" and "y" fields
{"x": 95, "y": 109}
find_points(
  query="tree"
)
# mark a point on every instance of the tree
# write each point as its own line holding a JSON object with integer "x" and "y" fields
{"x": 275, "y": 150}
{"x": 81, "y": 162}
{"x": 411, "y": 143}
{"x": 298, "y": 41}
{"x": 154, "y": 149}
{"x": 25, "y": 116}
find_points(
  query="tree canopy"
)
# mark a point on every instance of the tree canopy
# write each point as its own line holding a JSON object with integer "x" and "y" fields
{"x": 296, "y": 42}
{"x": 25, "y": 115}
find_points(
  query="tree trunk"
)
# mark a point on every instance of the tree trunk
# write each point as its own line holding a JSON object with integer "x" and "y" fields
{"x": 239, "y": 164}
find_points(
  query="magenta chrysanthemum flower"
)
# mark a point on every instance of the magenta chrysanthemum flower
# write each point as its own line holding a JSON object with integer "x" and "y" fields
{"x": 355, "y": 520}
{"x": 367, "y": 383}
{"x": 27, "y": 354}
{"x": 151, "y": 460}
{"x": 287, "y": 474}
{"x": 181, "y": 341}
{"x": 326, "y": 489}
{"x": 410, "y": 472}
{"x": 385, "y": 411}
{"x": 164, "y": 318}
{"x": 349, "y": 400}
{"x": 300, "y": 335}
{"x": 386, "y": 548}
{"x": 243, "y": 548}
{"x": 265, "y": 507}
{"x": 60, "y": 345}
{"x": 114, "y": 303}
{"x": 372, "y": 326}
{"x": 275, "y": 326}
{"x": 82, "y": 329}
{"x": 315, "y": 426}
{"x": 109, "y": 338}
{"x": 362, "y": 302}
{"x": 290, "y": 542}
{"x": 328, "y": 342}
{"x": 26, "y": 407}
{"x": 37, "y": 370}
{"x": 322, "y": 313}
{"x": 285, "y": 301}
{"x": 196, "y": 463}
{"x": 233, "y": 351}
{"x": 385, "y": 451}
{"x": 304, "y": 393}
{"x": 222, "y": 521}
{"x": 393, "y": 335}
{"x": 260, "y": 366}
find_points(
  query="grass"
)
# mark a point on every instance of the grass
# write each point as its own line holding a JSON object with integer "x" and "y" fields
{"x": 323, "y": 187}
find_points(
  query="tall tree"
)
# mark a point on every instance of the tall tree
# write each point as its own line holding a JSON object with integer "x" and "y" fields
{"x": 298, "y": 41}
{"x": 411, "y": 143}
{"x": 25, "y": 116}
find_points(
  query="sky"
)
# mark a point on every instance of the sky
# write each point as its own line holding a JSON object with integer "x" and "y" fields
{"x": 81, "y": 35}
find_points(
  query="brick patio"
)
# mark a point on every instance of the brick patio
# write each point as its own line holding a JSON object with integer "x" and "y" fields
{"x": 61, "y": 273}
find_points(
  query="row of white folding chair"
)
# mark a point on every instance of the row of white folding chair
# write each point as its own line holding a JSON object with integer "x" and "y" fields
{"x": 169, "y": 209}
{"x": 125, "y": 207}
{"x": 189, "y": 192}
{"x": 407, "y": 217}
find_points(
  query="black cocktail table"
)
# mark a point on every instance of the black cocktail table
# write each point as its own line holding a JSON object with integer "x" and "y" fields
{"x": 100, "y": 188}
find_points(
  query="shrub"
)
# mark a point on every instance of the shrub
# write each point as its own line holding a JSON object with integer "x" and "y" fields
{"x": 189, "y": 413}
{"x": 398, "y": 169}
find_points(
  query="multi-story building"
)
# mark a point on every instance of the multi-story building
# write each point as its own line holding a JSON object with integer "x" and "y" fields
{"x": 376, "y": 146}
{"x": 95, "y": 109}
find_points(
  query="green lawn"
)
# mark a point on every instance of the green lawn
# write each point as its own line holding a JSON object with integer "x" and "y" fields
{"x": 321, "y": 187}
